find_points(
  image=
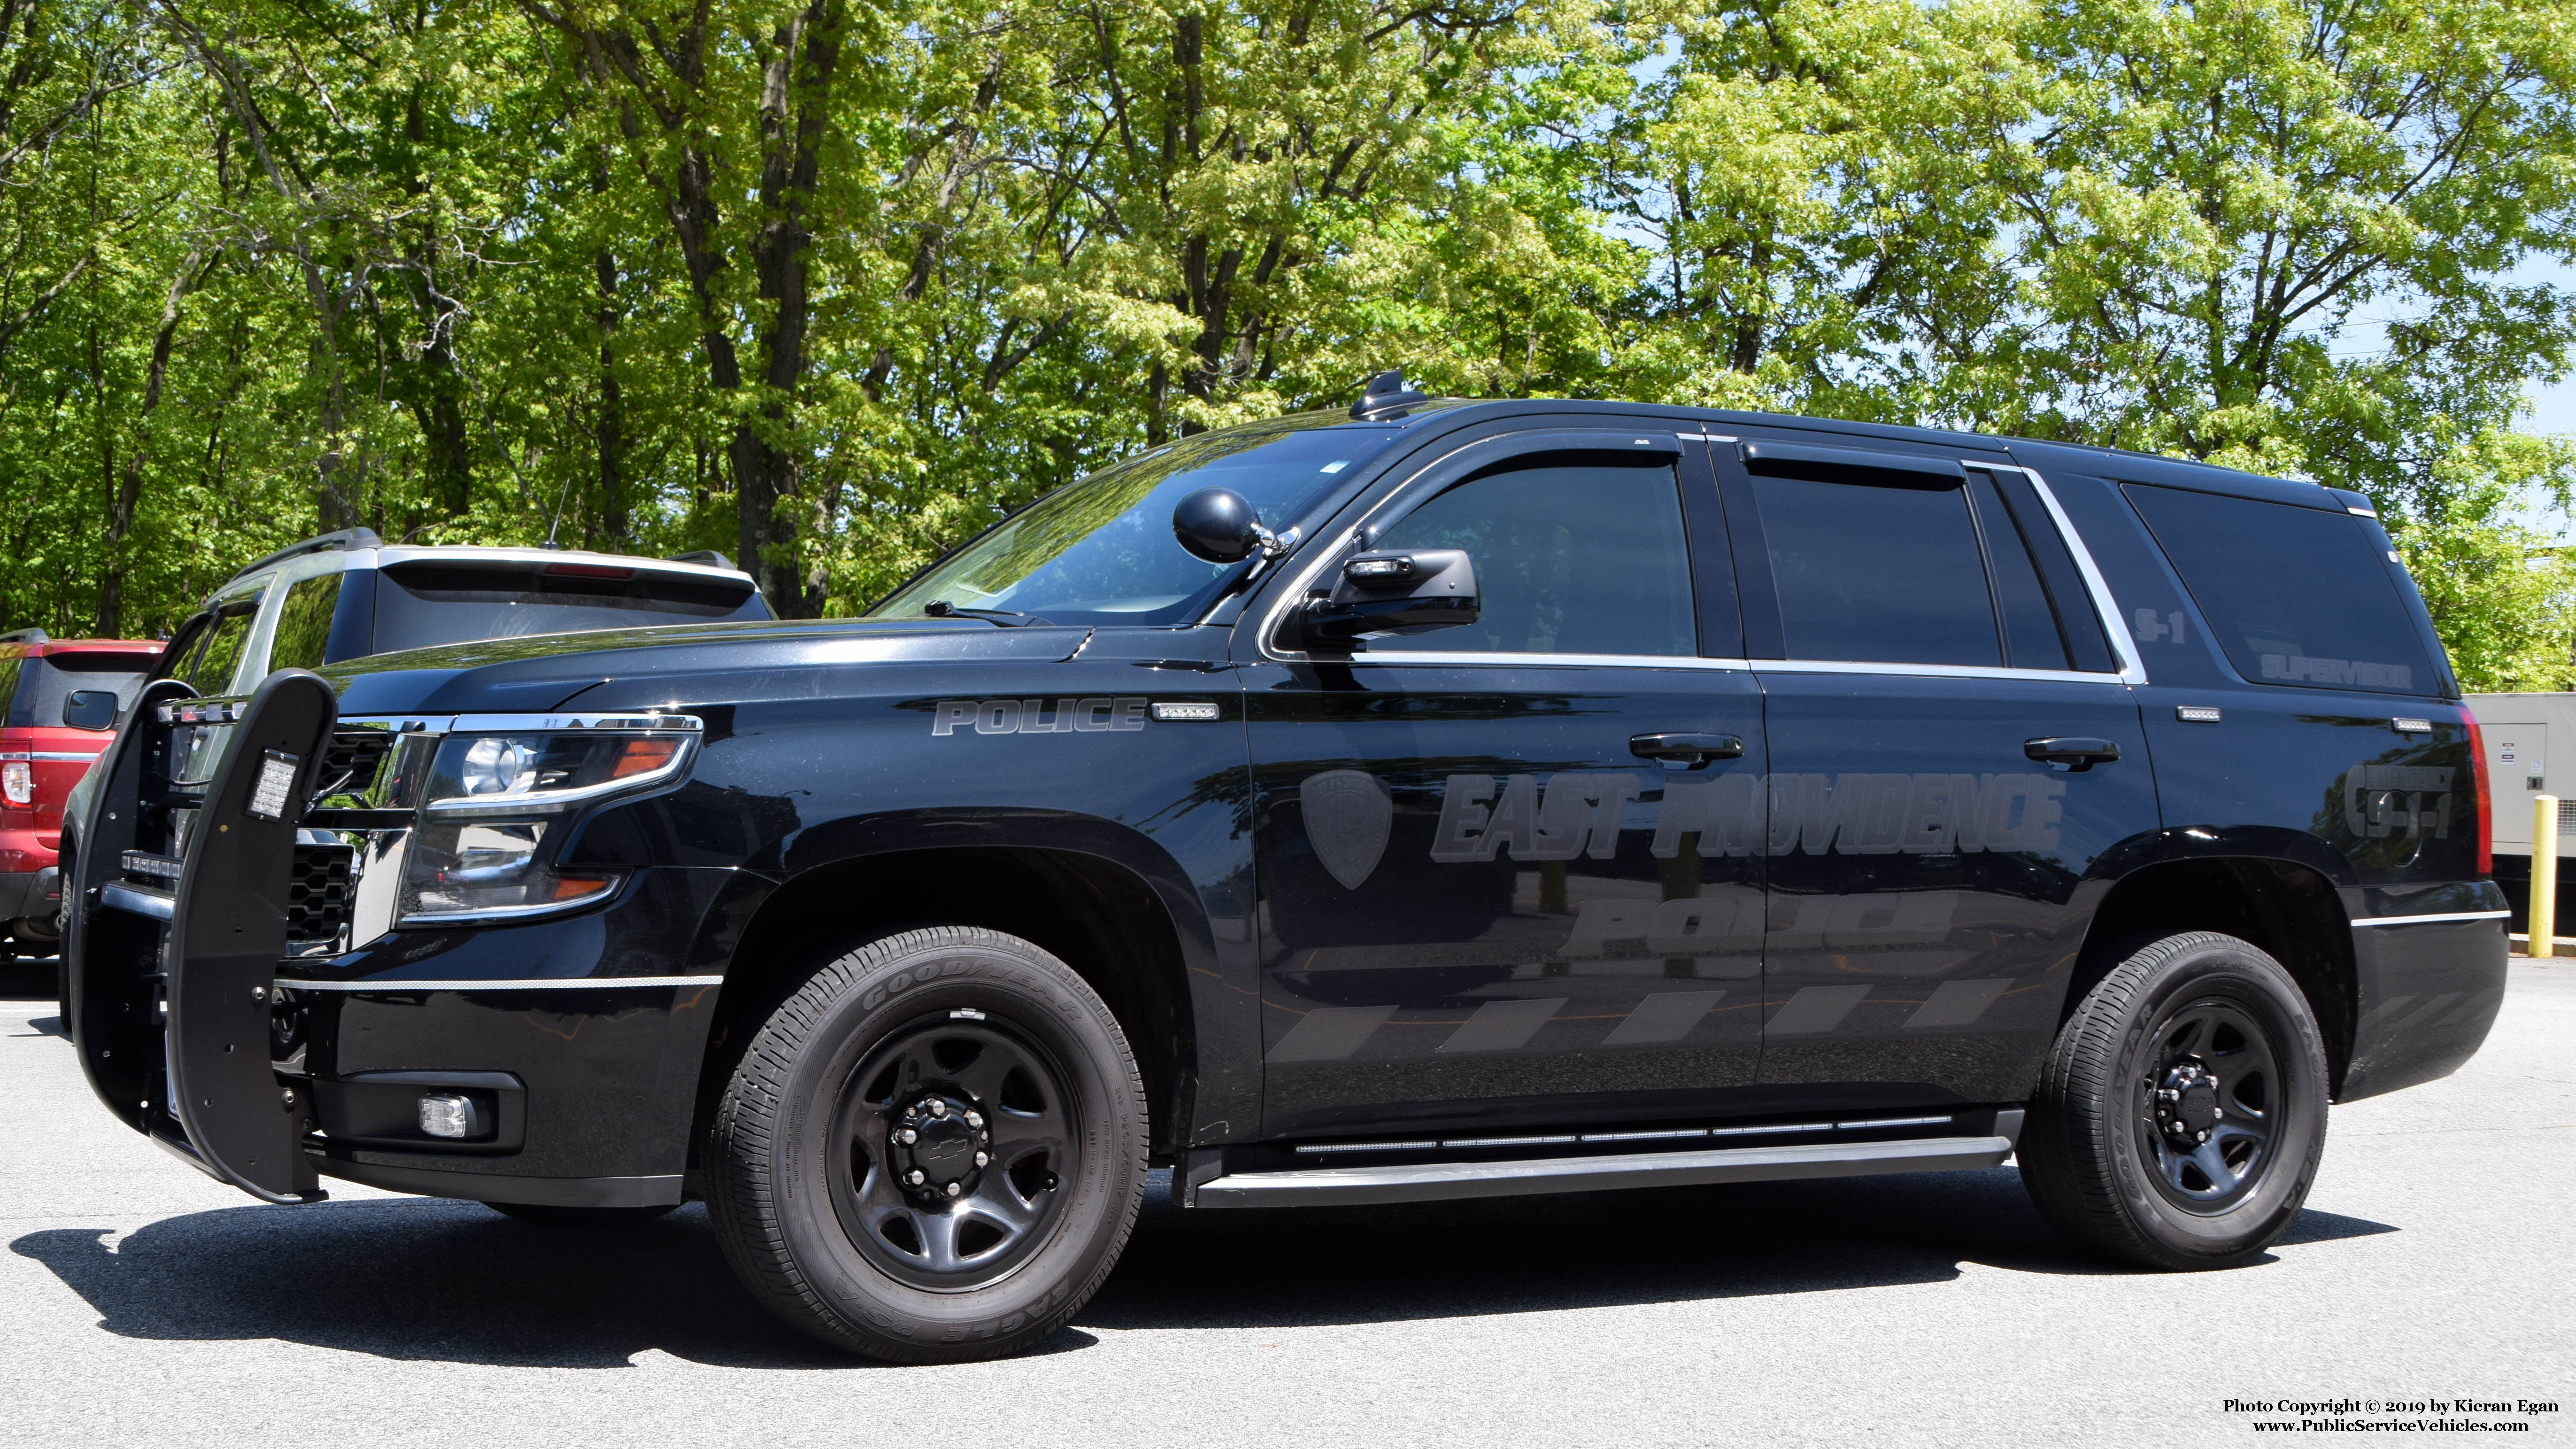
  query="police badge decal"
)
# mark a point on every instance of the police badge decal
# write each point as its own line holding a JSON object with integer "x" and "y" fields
{"x": 1348, "y": 815}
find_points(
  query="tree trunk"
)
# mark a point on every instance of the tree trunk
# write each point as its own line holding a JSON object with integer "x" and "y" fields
{"x": 793, "y": 106}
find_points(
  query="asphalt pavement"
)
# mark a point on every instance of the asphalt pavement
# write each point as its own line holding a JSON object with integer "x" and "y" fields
{"x": 141, "y": 1303}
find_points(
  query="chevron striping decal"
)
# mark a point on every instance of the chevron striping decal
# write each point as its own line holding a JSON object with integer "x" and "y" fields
{"x": 1956, "y": 1003}
{"x": 1666, "y": 1016}
{"x": 1330, "y": 1033}
{"x": 1499, "y": 1026}
{"x": 1815, "y": 1009}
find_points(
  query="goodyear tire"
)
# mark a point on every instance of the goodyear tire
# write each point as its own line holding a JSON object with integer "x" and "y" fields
{"x": 932, "y": 1151}
{"x": 2181, "y": 1113}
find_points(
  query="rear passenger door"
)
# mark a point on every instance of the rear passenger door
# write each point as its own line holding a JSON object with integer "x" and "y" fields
{"x": 1923, "y": 635}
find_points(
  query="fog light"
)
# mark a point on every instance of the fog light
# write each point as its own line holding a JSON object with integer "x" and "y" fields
{"x": 450, "y": 1114}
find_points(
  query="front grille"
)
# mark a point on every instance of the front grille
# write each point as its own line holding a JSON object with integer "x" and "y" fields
{"x": 318, "y": 896}
{"x": 349, "y": 767}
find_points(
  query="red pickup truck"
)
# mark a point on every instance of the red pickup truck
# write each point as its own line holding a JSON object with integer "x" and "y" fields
{"x": 59, "y": 703}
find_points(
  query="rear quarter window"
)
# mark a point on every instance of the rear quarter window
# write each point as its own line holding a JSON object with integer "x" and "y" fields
{"x": 2295, "y": 596}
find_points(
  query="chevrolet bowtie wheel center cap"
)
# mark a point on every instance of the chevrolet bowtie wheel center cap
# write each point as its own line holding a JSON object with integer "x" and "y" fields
{"x": 939, "y": 1147}
{"x": 2186, "y": 1104}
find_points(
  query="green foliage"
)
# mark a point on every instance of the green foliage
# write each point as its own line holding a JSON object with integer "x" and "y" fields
{"x": 832, "y": 287}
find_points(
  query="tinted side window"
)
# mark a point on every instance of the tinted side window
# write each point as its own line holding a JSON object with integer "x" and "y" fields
{"x": 2032, "y": 637}
{"x": 2295, "y": 595}
{"x": 304, "y": 623}
{"x": 1572, "y": 560}
{"x": 208, "y": 668}
{"x": 1879, "y": 575}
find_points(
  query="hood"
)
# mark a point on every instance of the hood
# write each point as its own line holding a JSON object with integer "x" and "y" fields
{"x": 544, "y": 671}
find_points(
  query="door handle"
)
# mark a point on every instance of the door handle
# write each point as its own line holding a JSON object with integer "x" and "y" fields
{"x": 2077, "y": 753}
{"x": 1697, "y": 749}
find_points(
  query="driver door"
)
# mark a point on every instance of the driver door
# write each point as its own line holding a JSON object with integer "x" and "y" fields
{"x": 1470, "y": 917}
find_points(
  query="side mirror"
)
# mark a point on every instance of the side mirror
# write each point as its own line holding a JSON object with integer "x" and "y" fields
{"x": 1222, "y": 527}
{"x": 90, "y": 709}
{"x": 1408, "y": 591}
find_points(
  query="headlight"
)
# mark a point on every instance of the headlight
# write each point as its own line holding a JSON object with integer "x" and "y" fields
{"x": 484, "y": 775}
{"x": 499, "y": 808}
{"x": 476, "y": 868}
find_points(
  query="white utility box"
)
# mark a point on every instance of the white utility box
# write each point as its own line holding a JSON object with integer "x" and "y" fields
{"x": 2519, "y": 730}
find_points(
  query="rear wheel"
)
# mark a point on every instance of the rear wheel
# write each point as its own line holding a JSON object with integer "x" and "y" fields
{"x": 932, "y": 1151}
{"x": 547, "y": 1215}
{"x": 2182, "y": 1112}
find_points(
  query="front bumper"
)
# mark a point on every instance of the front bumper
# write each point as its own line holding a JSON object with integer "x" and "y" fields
{"x": 245, "y": 995}
{"x": 600, "y": 1019}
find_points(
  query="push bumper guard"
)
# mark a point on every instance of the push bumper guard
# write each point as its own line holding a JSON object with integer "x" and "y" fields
{"x": 175, "y": 919}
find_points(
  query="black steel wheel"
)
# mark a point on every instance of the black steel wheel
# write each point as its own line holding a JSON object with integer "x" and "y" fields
{"x": 2205, "y": 1104}
{"x": 2181, "y": 1112}
{"x": 946, "y": 1148}
{"x": 933, "y": 1150}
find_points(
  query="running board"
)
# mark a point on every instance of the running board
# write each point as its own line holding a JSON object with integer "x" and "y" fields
{"x": 1424, "y": 1182}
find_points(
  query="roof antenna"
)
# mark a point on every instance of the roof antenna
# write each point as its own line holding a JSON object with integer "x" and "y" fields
{"x": 555, "y": 520}
{"x": 1387, "y": 398}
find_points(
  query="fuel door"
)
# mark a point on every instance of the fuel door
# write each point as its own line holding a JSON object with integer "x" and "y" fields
{"x": 227, "y": 931}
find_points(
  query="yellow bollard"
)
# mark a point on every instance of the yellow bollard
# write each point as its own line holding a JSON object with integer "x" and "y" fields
{"x": 2544, "y": 874}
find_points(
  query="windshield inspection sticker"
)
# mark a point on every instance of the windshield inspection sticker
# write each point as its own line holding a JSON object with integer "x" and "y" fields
{"x": 1090, "y": 715}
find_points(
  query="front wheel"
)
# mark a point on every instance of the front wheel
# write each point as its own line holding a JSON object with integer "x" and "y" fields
{"x": 2182, "y": 1111}
{"x": 933, "y": 1150}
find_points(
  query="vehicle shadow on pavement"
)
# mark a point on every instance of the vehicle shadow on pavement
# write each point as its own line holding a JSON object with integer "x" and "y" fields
{"x": 1323, "y": 1266}
{"x": 427, "y": 1279}
{"x": 455, "y": 1282}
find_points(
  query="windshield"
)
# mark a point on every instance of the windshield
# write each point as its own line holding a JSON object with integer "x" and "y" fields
{"x": 1101, "y": 551}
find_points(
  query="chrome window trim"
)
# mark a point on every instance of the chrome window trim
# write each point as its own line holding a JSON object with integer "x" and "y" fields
{"x": 2132, "y": 671}
{"x": 1551, "y": 661}
{"x": 2429, "y": 920}
{"x": 1932, "y": 671}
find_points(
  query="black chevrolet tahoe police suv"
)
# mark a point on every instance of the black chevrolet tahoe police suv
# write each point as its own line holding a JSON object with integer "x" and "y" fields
{"x": 1440, "y": 800}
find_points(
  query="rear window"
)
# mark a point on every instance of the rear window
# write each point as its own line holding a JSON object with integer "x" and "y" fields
{"x": 46, "y": 680}
{"x": 427, "y": 604}
{"x": 2296, "y": 596}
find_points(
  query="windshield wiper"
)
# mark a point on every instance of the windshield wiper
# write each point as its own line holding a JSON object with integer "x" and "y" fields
{"x": 1002, "y": 618}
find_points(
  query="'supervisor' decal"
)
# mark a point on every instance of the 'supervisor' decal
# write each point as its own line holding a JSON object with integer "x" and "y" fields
{"x": 1091, "y": 714}
{"x": 1580, "y": 812}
